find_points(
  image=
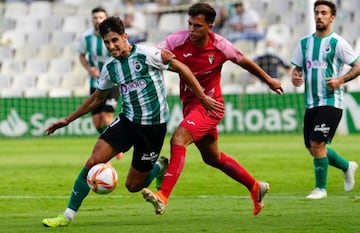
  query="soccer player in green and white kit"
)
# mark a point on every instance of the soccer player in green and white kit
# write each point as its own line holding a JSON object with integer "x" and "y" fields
{"x": 92, "y": 56}
{"x": 137, "y": 71}
{"x": 318, "y": 61}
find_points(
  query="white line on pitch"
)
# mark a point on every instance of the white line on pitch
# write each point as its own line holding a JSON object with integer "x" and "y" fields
{"x": 175, "y": 197}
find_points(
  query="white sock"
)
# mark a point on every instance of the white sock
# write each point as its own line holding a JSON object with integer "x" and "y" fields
{"x": 69, "y": 214}
{"x": 160, "y": 165}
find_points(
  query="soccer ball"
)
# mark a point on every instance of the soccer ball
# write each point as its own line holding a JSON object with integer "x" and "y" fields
{"x": 102, "y": 178}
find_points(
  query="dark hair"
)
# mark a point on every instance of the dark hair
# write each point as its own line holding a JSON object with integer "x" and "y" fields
{"x": 98, "y": 9}
{"x": 112, "y": 24}
{"x": 327, "y": 3}
{"x": 203, "y": 8}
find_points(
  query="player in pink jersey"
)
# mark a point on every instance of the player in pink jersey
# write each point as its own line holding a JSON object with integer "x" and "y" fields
{"x": 204, "y": 52}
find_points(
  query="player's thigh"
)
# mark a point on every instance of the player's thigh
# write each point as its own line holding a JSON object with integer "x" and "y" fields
{"x": 102, "y": 153}
{"x": 209, "y": 149}
{"x": 148, "y": 142}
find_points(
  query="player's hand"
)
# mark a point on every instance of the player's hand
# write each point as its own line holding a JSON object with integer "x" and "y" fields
{"x": 214, "y": 107}
{"x": 333, "y": 83}
{"x": 56, "y": 125}
{"x": 166, "y": 56}
{"x": 297, "y": 77}
{"x": 275, "y": 85}
{"x": 94, "y": 72}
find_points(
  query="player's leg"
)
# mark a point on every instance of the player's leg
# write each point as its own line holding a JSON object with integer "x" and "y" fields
{"x": 179, "y": 140}
{"x": 148, "y": 142}
{"x": 211, "y": 155}
{"x": 348, "y": 167}
{"x": 102, "y": 153}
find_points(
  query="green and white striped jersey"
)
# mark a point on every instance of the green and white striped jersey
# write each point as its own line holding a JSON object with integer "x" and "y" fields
{"x": 93, "y": 46}
{"x": 141, "y": 83}
{"x": 320, "y": 58}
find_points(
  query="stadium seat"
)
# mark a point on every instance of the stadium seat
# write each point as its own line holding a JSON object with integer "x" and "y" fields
{"x": 49, "y": 51}
{"x": 15, "y": 9}
{"x": 27, "y": 23}
{"x": 5, "y": 81}
{"x": 50, "y": 23}
{"x": 36, "y": 66}
{"x": 61, "y": 38}
{"x": 6, "y": 24}
{"x": 6, "y": 53}
{"x": 13, "y": 38}
{"x": 48, "y": 81}
{"x": 37, "y": 38}
{"x": 40, "y": 8}
{"x": 35, "y": 93}
{"x": 60, "y": 65}
{"x": 63, "y": 9}
{"x": 11, "y": 67}
{"x": 278, "y": 33}
{"x": 25, "y": 52}
{"x": 60, "y": 92}
{"x": 23, "y": 81}
{"x": 76, "y": 24}
{"x": 11, "y": 93}
{"x": 171, "y": 22}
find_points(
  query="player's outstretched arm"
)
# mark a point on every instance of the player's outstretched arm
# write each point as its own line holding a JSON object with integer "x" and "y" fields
{"x": 256, "y": 70}
{"x": 89, "y": 104}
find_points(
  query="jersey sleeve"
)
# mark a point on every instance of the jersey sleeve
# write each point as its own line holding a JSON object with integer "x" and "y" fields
{"x": 81, "y": 48}
{"x": 153, "y": 58}
{"x": 346, "y": 53}
{"x": 297, "y": 58}
{"x": 104, "y": 81}
{"x": 228, "y": 49}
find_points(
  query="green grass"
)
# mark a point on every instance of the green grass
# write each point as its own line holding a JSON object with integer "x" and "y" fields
{"x": 37, "y": 177}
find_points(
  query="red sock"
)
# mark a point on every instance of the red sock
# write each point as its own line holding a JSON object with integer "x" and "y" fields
{"x": 233, "y": 169}
{"x": 174, "y": 169}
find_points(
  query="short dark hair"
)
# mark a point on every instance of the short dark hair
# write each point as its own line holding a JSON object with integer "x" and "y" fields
{"x": 98, "y": 9}
{"x": 203, "y": 8}
{"x": 327, "y": 3}
{"x": 112, "y": 24}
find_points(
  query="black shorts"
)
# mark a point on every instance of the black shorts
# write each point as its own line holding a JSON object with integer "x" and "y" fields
{"x": 147, "y": 141}
{"x": 109, "y": 104}
{"x": 320, "y": 124}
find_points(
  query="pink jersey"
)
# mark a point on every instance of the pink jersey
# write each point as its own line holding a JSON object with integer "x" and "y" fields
{"x": 205, "y": 63}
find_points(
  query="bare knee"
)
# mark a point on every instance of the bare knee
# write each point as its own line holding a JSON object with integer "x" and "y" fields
{"x": 133, "y": 187}
{"x": 317, "y": 149}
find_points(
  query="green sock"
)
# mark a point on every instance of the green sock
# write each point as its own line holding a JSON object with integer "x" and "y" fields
{"x": 152, "y": 174}
{"x": 336, "y": 160}
{"x": 321, "y": 167}
{"x": 80, "y": 191}
{"x": 102, "y": 129}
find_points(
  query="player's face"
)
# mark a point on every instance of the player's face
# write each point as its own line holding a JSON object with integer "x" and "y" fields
{"x": 97, "y": 18}
{"x": 323, "y": 17}
{"x": 116, "y": 44}
{"x": 198, "y": 28}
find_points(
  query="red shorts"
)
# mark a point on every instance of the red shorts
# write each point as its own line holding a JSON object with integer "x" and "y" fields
{"x": 199, "y": 123}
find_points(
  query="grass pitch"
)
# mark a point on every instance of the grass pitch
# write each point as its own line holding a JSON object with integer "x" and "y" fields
{"x": 37, "y": 176}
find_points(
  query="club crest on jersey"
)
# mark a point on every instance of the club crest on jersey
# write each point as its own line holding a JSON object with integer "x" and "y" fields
{"x": 138, "y": 66}
{"x": 327, "y": 49}
{"x": 211, "y": 59}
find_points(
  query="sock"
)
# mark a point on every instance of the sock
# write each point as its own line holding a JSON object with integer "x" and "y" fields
{"x": 153, "y": 173}
{"x": 321, "y": 167}
{"x": 69, "y": 214}
{"x": 102, "y": 129}
{"x": 174, "y": 169}
{"x": 336, "y": 160}
{"x": 233, "y": 169}
{"x": 80, "y": 191}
